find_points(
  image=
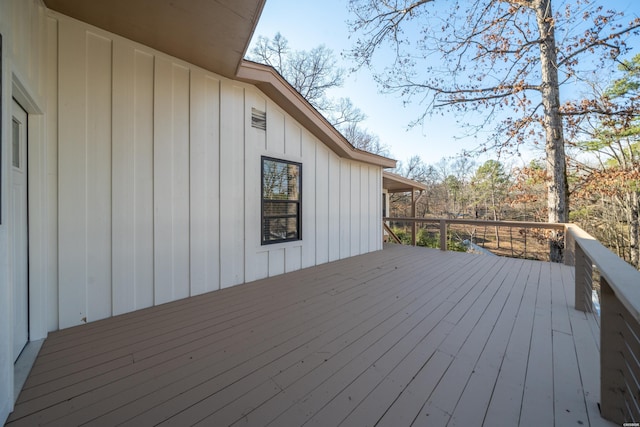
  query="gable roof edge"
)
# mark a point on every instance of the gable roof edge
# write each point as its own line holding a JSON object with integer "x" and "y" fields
{"x": 269, "y": 81}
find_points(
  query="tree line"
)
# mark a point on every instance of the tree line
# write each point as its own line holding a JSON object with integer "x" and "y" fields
{"x": 603, "y": 174}
{"x": 603, "y": 197}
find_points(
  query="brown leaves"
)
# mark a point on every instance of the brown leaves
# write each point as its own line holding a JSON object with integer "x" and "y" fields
{"x": 614, "y": 181}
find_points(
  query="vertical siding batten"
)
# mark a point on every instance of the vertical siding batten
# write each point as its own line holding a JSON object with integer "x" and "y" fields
{"x": 322, "y": 204}
{"x": 375, "y": 208}
{"x": 333, "y": 206}
{"x": 232, "y": 237}
{"x": 180, "y": 157}
{"x": 171, "y": 181}
{"x": 72, "y": 220}
{"x": 308, "y": 200}
{"x": 293, "y": 150}
{"x": 345, "y": 208}
{"x": 205, "y": 186}
{"x": 98, "y": 175}
{"x": 51, "y": 190}
{"x": 162, "y": 182}
{"x": 365, "y": 190}
{"x": 354, "y": 218}
{"x": 123, "y": 164}
{"x": 143, "y": 186}
{"x": 132, "y": 178}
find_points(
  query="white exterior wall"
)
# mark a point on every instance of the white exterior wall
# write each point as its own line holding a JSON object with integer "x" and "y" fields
{"x": 144, "y": 179}
{"x": 25, "y": 52}
{"x": 159, "y": 184}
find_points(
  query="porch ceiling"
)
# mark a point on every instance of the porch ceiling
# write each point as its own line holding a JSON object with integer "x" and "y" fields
{"x": 395, "y": 183}
{"x": 212, "y": 34}
{"x": 399, "y": 337}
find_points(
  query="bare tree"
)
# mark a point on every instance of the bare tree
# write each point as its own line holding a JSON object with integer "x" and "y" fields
{"x": 496, "y": 56}
{"x": 313, "y": 73}
{"x": 364, "y": 140}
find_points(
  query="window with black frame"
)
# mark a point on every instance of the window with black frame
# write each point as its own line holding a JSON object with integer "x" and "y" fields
{"x": 281, "y": 200}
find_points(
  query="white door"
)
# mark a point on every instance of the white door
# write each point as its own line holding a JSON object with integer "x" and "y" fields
{"x": 19, "y": 228}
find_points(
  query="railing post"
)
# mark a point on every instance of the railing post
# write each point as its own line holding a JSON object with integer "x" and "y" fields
{"x": 569, "y": 247}
{"x": 583, "y": 282}
{"x": 612, "y": 388}
{"x": 443, "y": 235}
{"x": 414, "y": 224}
{"x": 413, "y": 232}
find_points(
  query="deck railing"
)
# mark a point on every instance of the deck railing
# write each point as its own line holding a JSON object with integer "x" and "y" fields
{"x": 619, "y": 322}
{"x": 528, "y": 233}
{"x": 619, "y": 285}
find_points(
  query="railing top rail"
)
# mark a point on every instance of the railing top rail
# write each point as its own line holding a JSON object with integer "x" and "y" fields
{"x": 520, "y": 224}
{"x": 623, "y": 279}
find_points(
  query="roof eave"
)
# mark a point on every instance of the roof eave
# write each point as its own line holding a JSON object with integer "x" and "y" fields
{"x": 213, "y": 35}
{"x": 268, "y": 80}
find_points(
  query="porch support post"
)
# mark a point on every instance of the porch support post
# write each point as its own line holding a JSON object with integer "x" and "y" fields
{"x": 413, "y": 215}
{"x": 443, "y": 235}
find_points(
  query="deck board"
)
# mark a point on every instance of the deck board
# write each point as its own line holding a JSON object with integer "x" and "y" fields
{"x": 399, "y": 337}
{"x": 508, "y": 391}
{"x": 537, "y": 400}
{"x": 298, "y": 357}
{"x": 480, "y": 320}
{"x": 478, "y": 392}
{"x": 158, "y": 390}
{"x": 405, "y": 408}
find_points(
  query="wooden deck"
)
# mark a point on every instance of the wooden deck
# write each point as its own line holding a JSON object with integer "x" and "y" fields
{"x": 404, "y": 336}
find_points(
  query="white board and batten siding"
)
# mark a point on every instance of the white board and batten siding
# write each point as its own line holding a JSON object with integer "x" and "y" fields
{"x": 159, "y": 181}
{"x": 25, "y": 78}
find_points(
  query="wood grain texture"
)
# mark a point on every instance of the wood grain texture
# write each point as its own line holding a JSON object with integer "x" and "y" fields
{"x": 403, "y": 336}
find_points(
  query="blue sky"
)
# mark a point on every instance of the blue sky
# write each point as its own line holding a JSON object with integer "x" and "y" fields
{"x": 309, "y": 23}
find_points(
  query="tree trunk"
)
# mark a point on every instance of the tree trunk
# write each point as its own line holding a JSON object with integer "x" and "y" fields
{"x": 634, "y": 229}
{"x": 557, "y": 190}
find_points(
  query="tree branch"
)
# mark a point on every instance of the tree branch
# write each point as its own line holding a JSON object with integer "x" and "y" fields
{"x": 599, "y": 43}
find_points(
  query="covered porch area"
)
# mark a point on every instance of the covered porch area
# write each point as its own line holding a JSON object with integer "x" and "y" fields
{"x": 399, "y": 337}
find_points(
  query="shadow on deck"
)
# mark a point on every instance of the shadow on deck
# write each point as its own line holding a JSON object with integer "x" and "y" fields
{"x": 403, "y": 336}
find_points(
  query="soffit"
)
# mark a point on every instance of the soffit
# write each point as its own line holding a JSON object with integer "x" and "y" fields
{"x": 212, "y": 34}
